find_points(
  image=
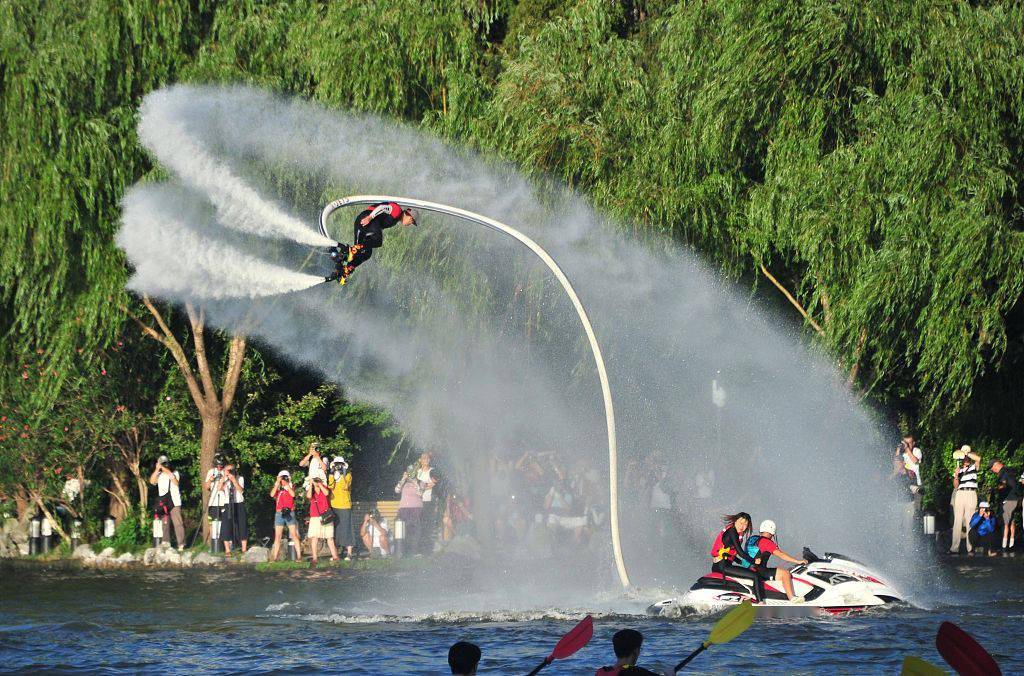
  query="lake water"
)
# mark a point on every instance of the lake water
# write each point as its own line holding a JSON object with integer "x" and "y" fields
{"x": 392, "y": 622}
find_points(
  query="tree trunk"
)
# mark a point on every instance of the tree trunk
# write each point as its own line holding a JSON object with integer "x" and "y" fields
{"x": 213, "y": 426}
{"x": 54, "y": 522}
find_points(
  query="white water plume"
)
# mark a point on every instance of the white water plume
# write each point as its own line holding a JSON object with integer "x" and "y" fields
{"x": 173, "y": 259}
{"x": 166, "y": 128}
{"x": 478, "y": 354}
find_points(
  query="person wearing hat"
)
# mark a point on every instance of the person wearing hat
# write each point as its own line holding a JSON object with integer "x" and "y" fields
{"x": 340, "y": 483}
{"x": 369, "y": 227}
{"x": 983, "y": 529}
{"x": 965, "y": 494}
{"x": 168, "y": 499}
{"x": 761, "y": 547}
{"x": 283, "y": 494}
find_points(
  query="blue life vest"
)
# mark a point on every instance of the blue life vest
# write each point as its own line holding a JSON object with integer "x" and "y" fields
{"x": 751, "y": 549}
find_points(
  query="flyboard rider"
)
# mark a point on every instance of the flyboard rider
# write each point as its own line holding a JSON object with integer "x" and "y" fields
{"x": 369, "y": 227}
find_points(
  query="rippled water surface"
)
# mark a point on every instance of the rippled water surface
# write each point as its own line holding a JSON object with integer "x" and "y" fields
{"x": 403, "y": 622}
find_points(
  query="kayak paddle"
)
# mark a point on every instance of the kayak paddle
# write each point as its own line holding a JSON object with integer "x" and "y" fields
{"x": 734, "y": 623}
{"x": 915, "y": 666}
{"x": 578, "y": 637}
{"x": 963, "y": 653}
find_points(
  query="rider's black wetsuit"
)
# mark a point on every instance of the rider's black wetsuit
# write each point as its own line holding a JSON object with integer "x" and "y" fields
{"x": 371, "y": 235}
{"x": 725, "y": 565}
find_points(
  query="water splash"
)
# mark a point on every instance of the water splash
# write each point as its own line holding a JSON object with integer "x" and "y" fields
{"x": 486, "y": 358}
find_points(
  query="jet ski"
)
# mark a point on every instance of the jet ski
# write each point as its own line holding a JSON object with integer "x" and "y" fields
{"x": 833, "y": 583}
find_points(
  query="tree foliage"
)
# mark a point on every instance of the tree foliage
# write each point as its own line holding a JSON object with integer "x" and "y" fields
{"x": 866, "y": 157}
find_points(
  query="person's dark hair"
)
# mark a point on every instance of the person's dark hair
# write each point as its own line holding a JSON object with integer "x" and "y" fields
{"x": 463, "y": 657}
{"x": 626, "y": 641}
{"x": 730, "y": 519}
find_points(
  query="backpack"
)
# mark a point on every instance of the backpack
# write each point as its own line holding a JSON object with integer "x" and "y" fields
{"x": 751, "y": 549}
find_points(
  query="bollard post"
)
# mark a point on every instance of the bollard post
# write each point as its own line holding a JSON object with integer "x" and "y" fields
{"x": 399, "y": 538}
{"x": 292, "y": 554}
{"x": 46, "y": 531}
{"x": 215, "y": 543}
{"x": 35, "y": 529}
{"x": 158, "y": 532}
{"x": 109, "y": 526}
{"x": 928, "y": 523}
{"x": 76, "y": 534}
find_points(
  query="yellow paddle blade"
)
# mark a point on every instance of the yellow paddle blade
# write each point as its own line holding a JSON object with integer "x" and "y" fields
{"x": 734, "y": 623}
{"x": 915, "y": 666}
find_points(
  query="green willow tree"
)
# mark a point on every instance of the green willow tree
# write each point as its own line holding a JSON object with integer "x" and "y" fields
{"x": 864, "y": 157}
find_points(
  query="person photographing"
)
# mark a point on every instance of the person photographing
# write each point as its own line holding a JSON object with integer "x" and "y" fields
{"x": 339, "y": 481}
{"x": 168, "y": 500}
{"x": 283, "y": 494}
{"x": 321, "y": 519}
{"x": 234, "y": 526}
{"x": 965, "y": 494}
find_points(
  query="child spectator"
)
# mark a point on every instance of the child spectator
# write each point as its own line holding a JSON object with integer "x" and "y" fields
{"x": 983, "y": 529}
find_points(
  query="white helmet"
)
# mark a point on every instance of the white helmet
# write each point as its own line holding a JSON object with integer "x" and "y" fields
{"x": 767, "y": 526}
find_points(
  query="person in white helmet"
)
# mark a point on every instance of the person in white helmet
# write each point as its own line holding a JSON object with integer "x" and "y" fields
{"x": 761, "y": 547}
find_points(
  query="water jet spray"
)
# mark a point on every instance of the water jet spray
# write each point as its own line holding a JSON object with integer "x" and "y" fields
{"x": 595, "y": 348}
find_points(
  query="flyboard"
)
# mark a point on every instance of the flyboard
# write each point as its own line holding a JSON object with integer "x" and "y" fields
{"x": 602, "y": 373}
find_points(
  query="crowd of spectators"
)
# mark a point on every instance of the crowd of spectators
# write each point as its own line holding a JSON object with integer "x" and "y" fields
{"x": 317, "y": 513}
{"x": 980, "y": 521}
{"x": 543, "y": 493}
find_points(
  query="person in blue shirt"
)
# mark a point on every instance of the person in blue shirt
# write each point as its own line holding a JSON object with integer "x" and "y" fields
{"x": 983, "y": 529}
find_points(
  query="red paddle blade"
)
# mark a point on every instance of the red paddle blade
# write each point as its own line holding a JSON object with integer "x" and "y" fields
{"x": 963, "y": 653}
{"x": 574, "y": 640}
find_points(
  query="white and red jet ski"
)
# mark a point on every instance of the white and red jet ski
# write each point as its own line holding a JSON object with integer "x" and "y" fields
{"x": 833, "y": 583}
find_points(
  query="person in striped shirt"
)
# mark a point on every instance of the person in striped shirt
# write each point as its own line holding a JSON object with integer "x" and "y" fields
{"x": 965, "y": 494}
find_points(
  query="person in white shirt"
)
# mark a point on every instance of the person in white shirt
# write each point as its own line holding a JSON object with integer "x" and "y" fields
{"x": 374, "y": 533}
{"x": 912, "y": 459}
{"x": 227, "y": 497}
{"x": 168, "y": 499}
{"x": 426, "y": 479}
{"x": 316, "y": 464}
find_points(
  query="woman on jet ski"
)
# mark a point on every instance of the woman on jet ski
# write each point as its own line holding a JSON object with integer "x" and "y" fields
{"x": 728, "y": 550}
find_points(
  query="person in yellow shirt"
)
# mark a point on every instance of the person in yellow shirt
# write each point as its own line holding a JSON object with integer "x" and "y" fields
{"x": 340, "y": 482}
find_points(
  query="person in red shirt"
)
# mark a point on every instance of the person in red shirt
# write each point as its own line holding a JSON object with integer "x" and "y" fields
{"x": 318, "y": 495}
{"x": 767, "y": 546}
{"x": 283, "y": 494}
{"x": 369, "y": 229}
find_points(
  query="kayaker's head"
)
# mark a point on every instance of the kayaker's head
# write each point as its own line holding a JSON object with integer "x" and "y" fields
{"x": 463, "y": 658}
{"x": 408, "y": 217}
{"x": 740, "y": 521}
{"x": 626, "y": 643}
{"x": 767, "y": 528}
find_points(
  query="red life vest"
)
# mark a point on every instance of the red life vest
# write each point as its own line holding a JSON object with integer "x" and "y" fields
{"x": 719, "y": 552}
